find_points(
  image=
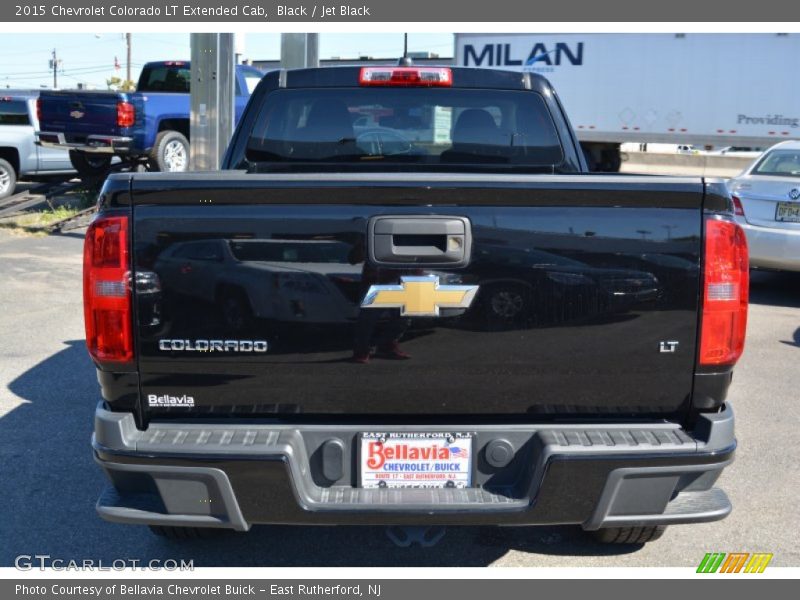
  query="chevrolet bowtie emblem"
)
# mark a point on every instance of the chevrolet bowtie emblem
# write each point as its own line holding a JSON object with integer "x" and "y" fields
{"x": 420, "y": 296}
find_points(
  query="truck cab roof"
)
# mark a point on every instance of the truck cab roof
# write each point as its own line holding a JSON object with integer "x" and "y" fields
{"x": 462, "y": 77}
{"x": 8, "y": 95}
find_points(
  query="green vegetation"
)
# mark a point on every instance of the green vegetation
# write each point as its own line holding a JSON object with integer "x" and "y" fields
{"x": 37, "y": 221}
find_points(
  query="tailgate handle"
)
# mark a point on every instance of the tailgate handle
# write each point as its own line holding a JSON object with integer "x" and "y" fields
{"x": 432, "y": 240}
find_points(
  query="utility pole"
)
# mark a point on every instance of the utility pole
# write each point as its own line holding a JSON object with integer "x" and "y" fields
{"x": 54, "y": 65}
{"x": 212, "y": 98}
{"x": 128, "y": 61}
{"x": 299, "y": 50}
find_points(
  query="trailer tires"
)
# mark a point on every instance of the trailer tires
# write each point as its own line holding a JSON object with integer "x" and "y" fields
{"x": 8, "y": 179}
{"x": 629, "y": 535}
{"x": 170, "y": 153}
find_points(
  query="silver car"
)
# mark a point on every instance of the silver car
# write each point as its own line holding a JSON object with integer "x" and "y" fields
{"x": 19, "y": 155}
{"x": 766, "y": 199}
{"x": 281, "y": 280}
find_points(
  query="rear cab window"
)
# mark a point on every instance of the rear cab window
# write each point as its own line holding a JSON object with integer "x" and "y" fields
{"x": 292, "y": 251}
{"x": 384, "y": 126}
{"x": 251, "y": 77}
{"x": 204, "y": 251}
{"x": 166, "y": 77}
{"x": 14, "y": 112}
{"x": 783, "y": 163}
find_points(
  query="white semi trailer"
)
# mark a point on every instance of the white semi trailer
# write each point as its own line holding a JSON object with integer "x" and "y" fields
{"x": 698, "y": 89}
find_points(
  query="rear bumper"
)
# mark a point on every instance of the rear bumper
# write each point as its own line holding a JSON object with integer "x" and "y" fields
{"x": 234, "y": 476}
{"x": 772, "y": 248}
{"x": 94, "y": 144}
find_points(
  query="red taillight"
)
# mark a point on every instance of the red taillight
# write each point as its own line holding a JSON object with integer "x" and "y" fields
{"x": 725, "y": 293}
{"x": 738, "y": 209}
{"x": 406, "y": 76}
{"x": 126, "y": 114}
{"x": 39, "y": 110}
{"x": 106, "y": 290}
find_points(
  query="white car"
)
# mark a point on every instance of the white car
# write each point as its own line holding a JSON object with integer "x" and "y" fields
{"x": 766, "y": 198}
{"x": 743, "y": 151}
{"x": 281, "y": 280}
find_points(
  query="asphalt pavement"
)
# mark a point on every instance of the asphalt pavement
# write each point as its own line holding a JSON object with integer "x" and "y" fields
{"x": 49, "y": 481}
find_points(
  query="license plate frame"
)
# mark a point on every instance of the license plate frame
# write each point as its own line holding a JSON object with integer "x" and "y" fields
{"x": 787, "y": 207}
{"x": 410, "y": 477}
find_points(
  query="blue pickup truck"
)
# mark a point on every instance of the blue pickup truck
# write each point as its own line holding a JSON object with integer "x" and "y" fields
{"x": 149, "y": 126}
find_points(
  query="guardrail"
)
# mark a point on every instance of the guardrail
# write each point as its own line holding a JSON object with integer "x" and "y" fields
{"x": 708, "y": 165}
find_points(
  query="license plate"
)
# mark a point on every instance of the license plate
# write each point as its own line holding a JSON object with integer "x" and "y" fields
{"x": 788, "y": 211}
{"x": 415, "y": 460}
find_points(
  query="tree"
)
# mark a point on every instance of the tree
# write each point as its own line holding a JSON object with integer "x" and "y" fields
{"x": 117, "y": 84}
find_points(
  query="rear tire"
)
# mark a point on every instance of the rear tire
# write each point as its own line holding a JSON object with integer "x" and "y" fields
{"x": 170, "y": 153}
{"x": 629, "y": 535}
{"x": 236, "y": 312}
{"x": 505, "y": 305}
{"x": 171, "y": 532}
{"x": 8, "y": 179}
{"x": 90, "y": 166}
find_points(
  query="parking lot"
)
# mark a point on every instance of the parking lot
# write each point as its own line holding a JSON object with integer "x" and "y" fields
{"x": 50, "y": 482}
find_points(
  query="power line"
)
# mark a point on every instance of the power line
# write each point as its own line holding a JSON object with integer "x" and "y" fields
{"x": 93, "y": 61}
{"x": 70, "y": 47}
{"x": 45, "y": 72}
{"x": 90, "y": 80}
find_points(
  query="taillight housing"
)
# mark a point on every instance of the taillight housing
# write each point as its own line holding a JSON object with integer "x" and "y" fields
{"x": 406, "y": 76}
{"x": 126, "y": 114}
{"x": 725, "y": 293}
{"x": 738, "y": 209}
{"x": 107, "y": 291}
{"x": 39, "y": 110}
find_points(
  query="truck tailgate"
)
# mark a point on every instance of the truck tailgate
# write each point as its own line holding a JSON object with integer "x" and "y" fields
{"x": 79, "y": 114}
{"x": 249, "y": 293}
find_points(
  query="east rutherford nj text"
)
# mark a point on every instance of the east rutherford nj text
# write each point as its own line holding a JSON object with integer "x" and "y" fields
{"x": 322, "y": 590}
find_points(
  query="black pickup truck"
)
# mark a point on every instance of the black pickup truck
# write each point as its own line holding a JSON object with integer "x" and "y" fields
{"x": 403, "y": 301}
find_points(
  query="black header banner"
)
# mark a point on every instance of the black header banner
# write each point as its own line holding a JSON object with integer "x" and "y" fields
{"x": 444, "y": 11}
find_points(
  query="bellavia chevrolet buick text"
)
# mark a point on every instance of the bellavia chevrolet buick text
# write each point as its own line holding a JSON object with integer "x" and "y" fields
{"x": 403, "y": 301}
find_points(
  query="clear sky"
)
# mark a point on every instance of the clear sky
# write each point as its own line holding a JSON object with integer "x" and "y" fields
{"x": 89, "y": 58}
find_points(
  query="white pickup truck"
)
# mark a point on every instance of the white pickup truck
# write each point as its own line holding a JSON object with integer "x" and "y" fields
{"x": 19, "y": 155}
